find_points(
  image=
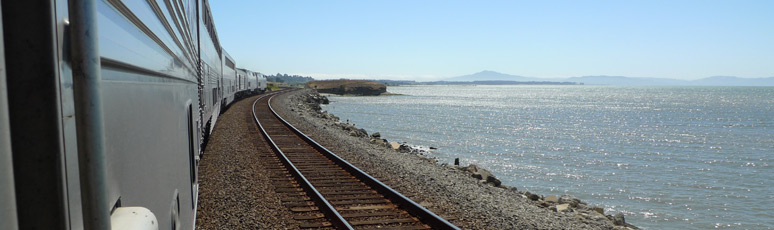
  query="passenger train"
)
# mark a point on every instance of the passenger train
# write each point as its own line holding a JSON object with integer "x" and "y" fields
{"x": 105, "y": 108}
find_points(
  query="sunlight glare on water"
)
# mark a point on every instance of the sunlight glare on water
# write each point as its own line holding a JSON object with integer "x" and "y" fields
{"x": 666, "y": 157}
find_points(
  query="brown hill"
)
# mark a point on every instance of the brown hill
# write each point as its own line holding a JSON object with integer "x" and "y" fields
{"x": 353, "y": 87}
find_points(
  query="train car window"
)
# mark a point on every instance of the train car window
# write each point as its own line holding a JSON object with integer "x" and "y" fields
{"x": 230, "y": 63}
{"x": 214, "y": 95}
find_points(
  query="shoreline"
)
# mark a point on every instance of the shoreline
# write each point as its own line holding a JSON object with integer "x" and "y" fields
{"x": 387, "y": 94}
{"x": 468, "y": 196}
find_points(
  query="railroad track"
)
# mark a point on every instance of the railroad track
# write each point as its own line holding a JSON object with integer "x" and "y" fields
{"x": 324, "y": 191}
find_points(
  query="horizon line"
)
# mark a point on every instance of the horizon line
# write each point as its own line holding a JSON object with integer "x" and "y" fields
{"x": 431, "y": 77}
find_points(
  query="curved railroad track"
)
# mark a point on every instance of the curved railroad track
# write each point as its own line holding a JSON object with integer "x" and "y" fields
{"x": 325, "y": 191}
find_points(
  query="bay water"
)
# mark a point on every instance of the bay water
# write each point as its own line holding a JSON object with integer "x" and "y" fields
{"x": 666, "y": 157}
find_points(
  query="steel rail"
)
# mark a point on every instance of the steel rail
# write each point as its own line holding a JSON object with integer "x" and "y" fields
{"x": 409, "y": 205}
{"x": 326, "y": 207}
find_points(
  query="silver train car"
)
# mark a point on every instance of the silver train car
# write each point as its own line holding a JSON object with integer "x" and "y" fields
{"x": 105, "y": 109}
{"x": 251, "y": 83}
{"x": 242, "y": 80}
{"x": 229, "y": 79}
{"x": 261, "y": 82}
{"x": 211, "y": 72}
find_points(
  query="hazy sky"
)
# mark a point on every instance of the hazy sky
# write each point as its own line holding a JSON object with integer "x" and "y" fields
{"x": 429, "y": 40}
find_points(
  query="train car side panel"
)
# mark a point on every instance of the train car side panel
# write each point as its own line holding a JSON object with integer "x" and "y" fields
{"x": 7, "y": 188}
{"x": 34, "y": 114}
{"x": 150, "y": 85}
{"x": 252, "y": 82}
{"x": 262, "y": 83}
{"x": 241, "y": 82}
{"x": 229, "y": 79}
{"x": 211, "y": 67}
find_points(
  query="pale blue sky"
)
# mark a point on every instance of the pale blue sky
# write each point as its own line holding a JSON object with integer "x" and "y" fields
{"x": 430, "y": 40}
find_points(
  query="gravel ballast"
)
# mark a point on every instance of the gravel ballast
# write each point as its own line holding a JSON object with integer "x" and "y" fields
{"x": 235, "y": 191}
{"x": 449, "y": 191}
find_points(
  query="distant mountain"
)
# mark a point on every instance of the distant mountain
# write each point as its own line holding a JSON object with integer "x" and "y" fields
{"x": 619, "y": 80}
{"x": 487, "y": 75}
{"x": 486, "y": 82}
{"x": 641, "y": 81}
{"x": 734, "y": 81}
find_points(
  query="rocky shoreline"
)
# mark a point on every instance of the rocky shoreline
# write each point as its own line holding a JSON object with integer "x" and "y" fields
{"x": 469, "y": 196}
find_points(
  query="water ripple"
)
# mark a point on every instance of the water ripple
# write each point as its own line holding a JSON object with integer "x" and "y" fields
{"x": 667, "y": 157}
